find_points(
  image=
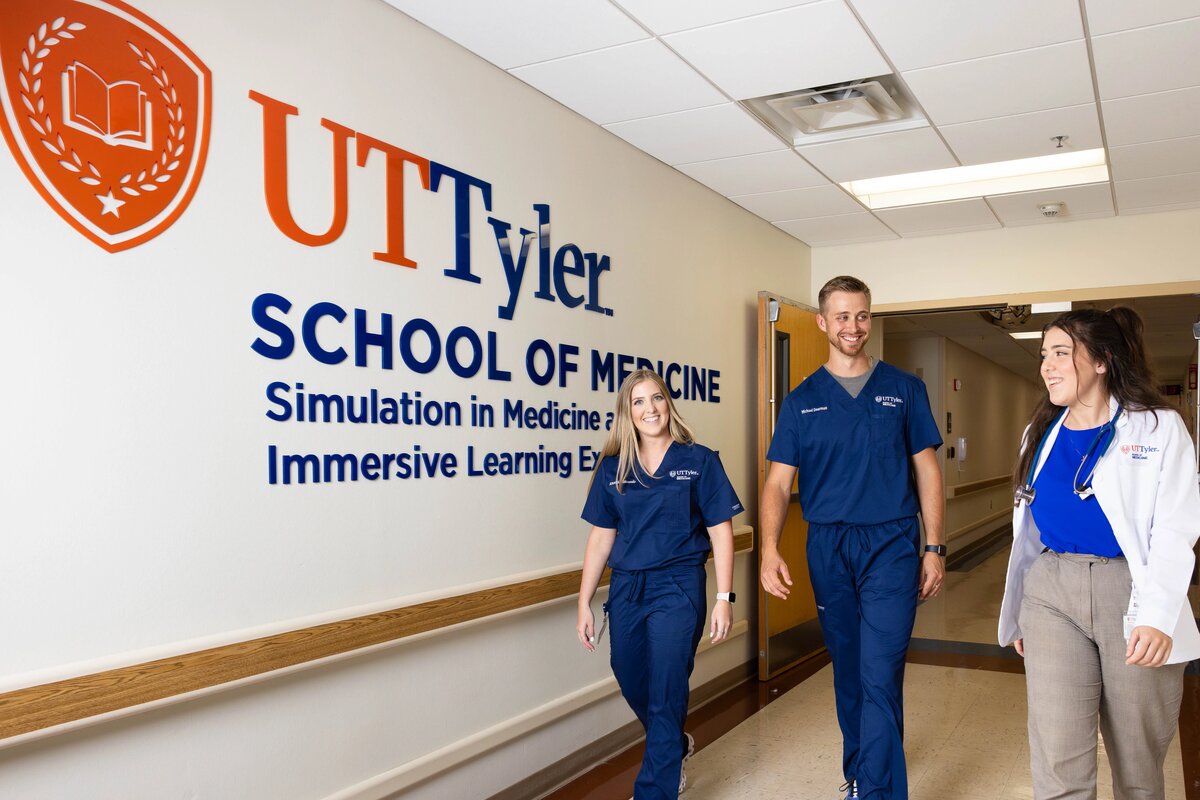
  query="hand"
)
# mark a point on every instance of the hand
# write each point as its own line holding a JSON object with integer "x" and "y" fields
{"x": 933, "y": 573}
{"x": 722, "y": 621}
{"x": 775, "y": 576}
{"x": 585, "y": 628}
{"x": 1148, "y": 647}
{"x": 1020, "y": 645}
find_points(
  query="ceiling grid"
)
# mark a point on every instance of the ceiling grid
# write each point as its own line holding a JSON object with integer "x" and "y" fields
{"x": 996, "y": 81}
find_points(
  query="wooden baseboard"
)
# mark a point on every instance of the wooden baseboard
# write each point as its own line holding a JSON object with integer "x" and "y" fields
{"x": 567, "y": 769}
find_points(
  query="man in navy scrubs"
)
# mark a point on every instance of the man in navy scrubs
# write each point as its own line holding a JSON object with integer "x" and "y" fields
{"x": 860, "y": 436}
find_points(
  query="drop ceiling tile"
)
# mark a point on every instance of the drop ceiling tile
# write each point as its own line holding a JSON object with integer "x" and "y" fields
{"x": 960, "y": 215}
{"x": 1024, "y": 135}
{"x": 896, "y": 153}
{"x": 1151, "y": 117}
{"x": 922, "y": 33}
{"x": 620, "y": 83}
{"x": 1159, "y": 194}
{"x": 764, "y": 172}
{"x": 699, "y": 135}
{"x": 670, "y": 16}
{"x": 999, "y": 86}
{"x": 843, "y": 229}
{"x": 792, "y": 204}
{"x": 797, "y": 48}
{"x": 1155, "y": 159}
{"x": 1106, "y": 16}
{"x": 548, "y": 28}
{"x": 1082, "y": 202}
{"x": 1148, "y": 59}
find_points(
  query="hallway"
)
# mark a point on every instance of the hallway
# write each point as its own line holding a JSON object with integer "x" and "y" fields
{"x": 964, "y": 712}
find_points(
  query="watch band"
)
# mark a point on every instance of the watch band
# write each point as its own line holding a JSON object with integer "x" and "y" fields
{"x": 940, "y": 549}
{"x": 730, "y": 596}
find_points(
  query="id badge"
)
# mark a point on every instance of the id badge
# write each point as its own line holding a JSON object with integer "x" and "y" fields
{"x": 1130, "y": 617}
{"x": 604, "y": 627}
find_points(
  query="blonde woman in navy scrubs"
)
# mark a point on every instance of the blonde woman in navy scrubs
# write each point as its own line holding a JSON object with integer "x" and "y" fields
{"x": 658, "y": 502}
{"x": 1107, "y": 513}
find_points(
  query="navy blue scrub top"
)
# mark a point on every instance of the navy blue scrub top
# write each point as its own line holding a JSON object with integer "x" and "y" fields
{"x": 1067, "y": 523}
{"x": 661, "y": 521}
{"x": 852, "y": 454}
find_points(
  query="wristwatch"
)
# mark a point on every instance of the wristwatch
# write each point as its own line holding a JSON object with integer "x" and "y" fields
{"x": 730, "y": 596}
{"x": 940, "y": 549}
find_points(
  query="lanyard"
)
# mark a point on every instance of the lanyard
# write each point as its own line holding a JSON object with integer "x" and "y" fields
{"x": 1027, "y": 492}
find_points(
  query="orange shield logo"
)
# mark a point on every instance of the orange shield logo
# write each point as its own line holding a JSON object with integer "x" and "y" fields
{"x": 106, "y": 112}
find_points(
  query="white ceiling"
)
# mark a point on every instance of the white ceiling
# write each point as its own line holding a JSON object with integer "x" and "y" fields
{"x": 995, "y": 78}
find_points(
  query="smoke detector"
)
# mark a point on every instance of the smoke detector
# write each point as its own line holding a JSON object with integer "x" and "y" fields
{"x": 1051, "y": 210}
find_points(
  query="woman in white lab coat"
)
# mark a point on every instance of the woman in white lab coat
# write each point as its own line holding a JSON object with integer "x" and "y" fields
{"x": 1106, "y": 514}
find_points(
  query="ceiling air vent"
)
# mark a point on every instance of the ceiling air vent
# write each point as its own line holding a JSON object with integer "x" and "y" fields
{"x": 841, "y": 111}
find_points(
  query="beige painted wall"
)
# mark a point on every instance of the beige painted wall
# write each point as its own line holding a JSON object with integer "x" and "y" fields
{"x": 990, "y": 409}
{"x": 146, "y": 523}
{"x": 1062, "y": 256}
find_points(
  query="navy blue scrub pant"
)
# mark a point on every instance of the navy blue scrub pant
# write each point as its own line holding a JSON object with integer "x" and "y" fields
{"x": 657, "y": 618}
{"x": 864, "y": 579}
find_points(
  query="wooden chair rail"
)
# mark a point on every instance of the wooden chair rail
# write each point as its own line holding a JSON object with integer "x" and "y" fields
{"x": 976, "y": 486}
{"x": 35, "y": 708}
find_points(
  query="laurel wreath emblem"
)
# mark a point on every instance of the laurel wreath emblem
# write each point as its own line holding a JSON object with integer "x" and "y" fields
{"x": 166, "y": 162}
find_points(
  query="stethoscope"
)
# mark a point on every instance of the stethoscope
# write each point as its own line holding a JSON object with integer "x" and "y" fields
{"x": 1082, "y": 491}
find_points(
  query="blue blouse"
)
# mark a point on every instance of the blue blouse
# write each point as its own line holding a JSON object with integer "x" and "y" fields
{"x": 1068, "y": 523}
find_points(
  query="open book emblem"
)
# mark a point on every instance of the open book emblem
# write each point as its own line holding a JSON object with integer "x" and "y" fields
{"x": 106, "y": 112}
{"x": 119, "y": 114}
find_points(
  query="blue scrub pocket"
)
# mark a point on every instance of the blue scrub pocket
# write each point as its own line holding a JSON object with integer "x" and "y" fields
{"x": 887, "y": 434}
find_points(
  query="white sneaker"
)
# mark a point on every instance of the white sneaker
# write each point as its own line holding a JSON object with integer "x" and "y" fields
{"x": 691, "y": 750}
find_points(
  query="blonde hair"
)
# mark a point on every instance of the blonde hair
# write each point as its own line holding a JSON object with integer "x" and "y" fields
{"x": 623, "y": 438}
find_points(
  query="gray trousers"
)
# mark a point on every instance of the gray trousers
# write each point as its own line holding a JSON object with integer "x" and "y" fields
{"x": 1072, "y": 621}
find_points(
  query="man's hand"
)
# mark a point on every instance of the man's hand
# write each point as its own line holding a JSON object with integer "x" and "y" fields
{"x": 933, "y": 573}
{"x": 1148, "y": 647}
{"x": 775, "y": 576}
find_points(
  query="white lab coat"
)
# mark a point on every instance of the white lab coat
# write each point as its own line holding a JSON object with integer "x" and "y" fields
{"x": 1146, "y": 486}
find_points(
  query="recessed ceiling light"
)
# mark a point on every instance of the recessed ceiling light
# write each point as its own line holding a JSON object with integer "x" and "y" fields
{"x": 1050, "y": 308}
{"x": 1026, "y": 334}
{"x": 1002, "y": 177}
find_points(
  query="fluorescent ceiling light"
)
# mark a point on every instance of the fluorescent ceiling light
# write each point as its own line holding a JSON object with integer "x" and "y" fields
{"x": 1050, "y": 308}
{"x": 1026, "y": 335}
{"x": 1002, "y": 177}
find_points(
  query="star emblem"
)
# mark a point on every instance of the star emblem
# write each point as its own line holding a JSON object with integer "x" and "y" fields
{"x": 111, "y": 205}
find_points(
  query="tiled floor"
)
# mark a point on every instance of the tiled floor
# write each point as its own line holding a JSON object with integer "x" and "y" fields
{"x": 964, "y": 727}
{"x": 965, "y": 734}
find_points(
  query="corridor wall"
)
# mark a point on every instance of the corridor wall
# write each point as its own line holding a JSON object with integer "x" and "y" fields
{"x": 152, "y": 500}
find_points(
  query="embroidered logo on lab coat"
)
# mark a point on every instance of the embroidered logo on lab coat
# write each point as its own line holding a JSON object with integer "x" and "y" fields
{"x": 684, "y": 474}
{"x": 1138, "y": 452}
{"x": 888, "y": 401}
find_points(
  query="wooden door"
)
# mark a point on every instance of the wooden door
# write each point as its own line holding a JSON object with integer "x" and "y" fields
{"x": 790, "y": 348}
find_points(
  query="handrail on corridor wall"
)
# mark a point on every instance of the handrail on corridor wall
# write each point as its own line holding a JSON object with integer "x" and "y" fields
{"x": 976, "y": 486}
{"x": 36, "y": 708}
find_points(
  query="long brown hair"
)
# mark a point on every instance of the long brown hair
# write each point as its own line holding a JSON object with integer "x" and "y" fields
{"x": 1112, "y": 338}
{"x": 623, "y": 438}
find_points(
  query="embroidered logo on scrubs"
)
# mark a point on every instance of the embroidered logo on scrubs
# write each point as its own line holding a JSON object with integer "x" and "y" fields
{"x": 1138, "y": 452}
{"x": 814, "y": 410}
{"x": 684, "y": 474}
{"x": 888, "y": 401}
